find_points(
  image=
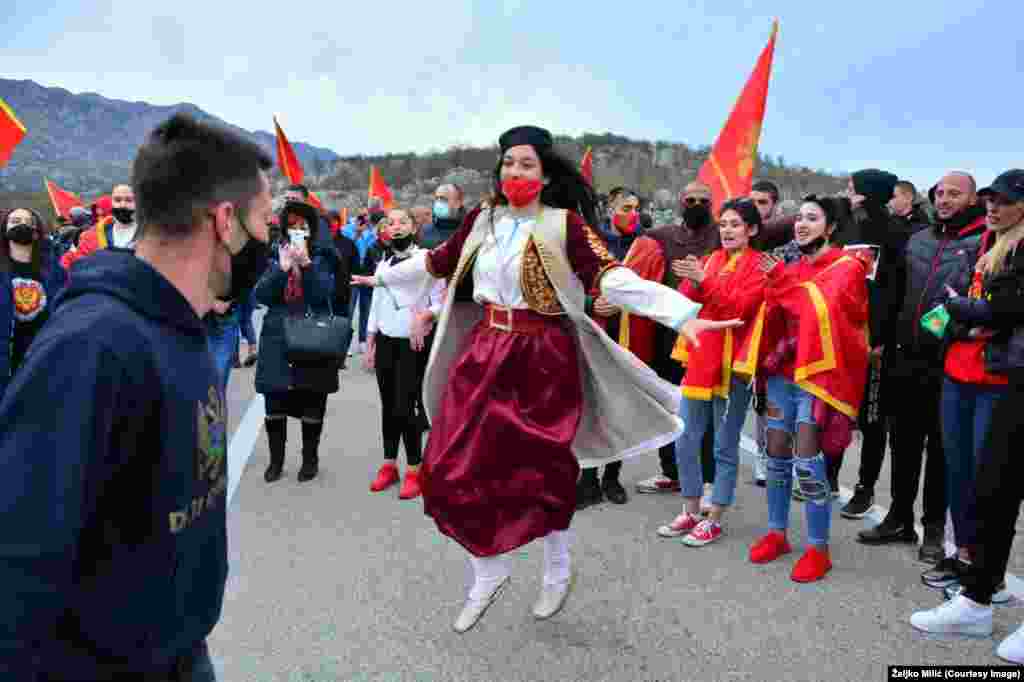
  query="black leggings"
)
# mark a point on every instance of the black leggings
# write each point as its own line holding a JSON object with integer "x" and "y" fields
{"x": 998, "y": 495}
{"x": 399, "y": 381}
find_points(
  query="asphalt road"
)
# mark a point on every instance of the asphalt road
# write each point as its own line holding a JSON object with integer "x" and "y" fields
{"x": 331, "y": 582}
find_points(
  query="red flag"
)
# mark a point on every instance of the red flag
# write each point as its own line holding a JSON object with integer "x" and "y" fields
{"x": 63, "y": 201}
{"x": 290, "y": 166}
{"x": 587, "y": 166}
{"x": 380, "y": 189}
{"x": 11, "y": 132}
{"x": 286, "y": 157}
{"x": 729, "y": 170}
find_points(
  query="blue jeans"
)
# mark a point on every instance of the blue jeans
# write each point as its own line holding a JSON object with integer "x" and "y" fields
{"x": 966, "y": 417}
{"x": 788, "y": 407}
{"x": 222, "y": 335}
{"x": 729, "y": 415}
{"x": 361, "y": 296}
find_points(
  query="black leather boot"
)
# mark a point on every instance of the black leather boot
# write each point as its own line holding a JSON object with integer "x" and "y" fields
{"x": 277, "y": 434}
{"x": 310, "y": 450}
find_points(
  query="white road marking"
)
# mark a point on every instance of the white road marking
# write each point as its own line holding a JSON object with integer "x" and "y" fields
{"x": 243, "y": 442}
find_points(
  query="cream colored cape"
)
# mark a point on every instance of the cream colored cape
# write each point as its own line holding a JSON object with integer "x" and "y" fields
{"x": 627, "y": 408}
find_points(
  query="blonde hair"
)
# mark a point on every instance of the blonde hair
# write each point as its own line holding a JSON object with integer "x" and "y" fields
{"x": 995, "y": 259}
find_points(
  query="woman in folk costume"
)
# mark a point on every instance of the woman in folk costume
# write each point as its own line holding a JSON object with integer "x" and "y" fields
{"x": 730, "y": 283}
{"x": 523, "y": 388}
{"x": 815, "y": 331}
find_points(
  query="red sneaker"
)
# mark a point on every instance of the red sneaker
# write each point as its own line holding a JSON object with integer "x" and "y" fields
{"x": 387, "y": 476}
{"x": 410, "y": 486}
{"x": 813, "y": 565}
{"x": 769, "y": 548}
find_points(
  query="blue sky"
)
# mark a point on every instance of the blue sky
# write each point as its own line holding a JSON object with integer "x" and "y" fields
{"x": 913, "y": 87}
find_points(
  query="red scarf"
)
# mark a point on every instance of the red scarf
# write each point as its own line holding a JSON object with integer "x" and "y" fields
{"x": 293, "y": 292}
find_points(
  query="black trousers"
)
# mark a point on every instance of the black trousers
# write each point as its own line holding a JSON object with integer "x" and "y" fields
{"x": 914, "y": 388}
{"x": 399, "y": 381}
{"x": 999, "y": 493}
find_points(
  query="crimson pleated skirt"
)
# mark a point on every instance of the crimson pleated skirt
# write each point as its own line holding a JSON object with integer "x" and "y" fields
{"x": 499, "y": 471}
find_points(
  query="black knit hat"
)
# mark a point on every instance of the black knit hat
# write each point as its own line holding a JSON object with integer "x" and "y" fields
{"x": 876, "y": 186}
{"x": 531, "y": 135}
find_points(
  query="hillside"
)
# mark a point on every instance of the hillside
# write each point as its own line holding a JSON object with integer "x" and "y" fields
{"x": 86, "y": 142}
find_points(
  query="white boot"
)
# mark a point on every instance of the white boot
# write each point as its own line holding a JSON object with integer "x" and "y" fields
{"x": 491, "y": 577}
{"x": 558, "y": 576}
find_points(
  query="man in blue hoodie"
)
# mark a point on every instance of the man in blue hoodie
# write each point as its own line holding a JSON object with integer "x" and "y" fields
{"x": 113, "y": 543}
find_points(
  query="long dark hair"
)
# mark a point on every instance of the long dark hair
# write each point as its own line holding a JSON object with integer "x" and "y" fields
{"x": 39, "y": 264}
{"x": 566, "y": 187}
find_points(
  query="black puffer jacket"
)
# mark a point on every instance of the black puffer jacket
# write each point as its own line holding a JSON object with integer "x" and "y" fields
{"x": 1000, "y": 309}
{"x": 934, "y": 257}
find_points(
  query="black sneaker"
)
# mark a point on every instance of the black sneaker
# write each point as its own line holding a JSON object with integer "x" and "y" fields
{"x": 944, "y": 573}
{"x": 613, "y": 491}
{"x": 888, "y": 532}
{"x": 860, "y": 504}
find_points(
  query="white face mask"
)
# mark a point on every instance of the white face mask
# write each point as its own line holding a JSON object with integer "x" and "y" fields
{"x": 298, "y": 236}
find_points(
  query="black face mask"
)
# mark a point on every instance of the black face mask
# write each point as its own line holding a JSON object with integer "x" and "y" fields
{"x": 813, "y": 246}
{"x": 125, "y": 216}
{"x": 697, "y": 217}
{"x": 401, "y": 243}
{"x": 21, "y": 234}
{"x": 246, "y": 268}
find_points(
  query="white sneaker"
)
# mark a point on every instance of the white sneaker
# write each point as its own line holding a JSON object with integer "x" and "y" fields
{"x": 705, "y": 500}
{"x": 658, "y": 484}
{"x": 1001, "y": 596}
{"x": 362, "y": 347}
{"x": 959, "y": 616}
{"x": 1012, "y": 648}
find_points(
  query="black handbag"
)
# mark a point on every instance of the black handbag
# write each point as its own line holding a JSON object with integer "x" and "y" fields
{"x": 317, "y": 339}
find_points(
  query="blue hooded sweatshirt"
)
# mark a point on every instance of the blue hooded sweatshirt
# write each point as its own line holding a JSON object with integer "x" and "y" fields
{"x": 113, "y": 544}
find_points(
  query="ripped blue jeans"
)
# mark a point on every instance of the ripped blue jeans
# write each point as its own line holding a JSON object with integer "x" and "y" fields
{"x": 788, "y": 407}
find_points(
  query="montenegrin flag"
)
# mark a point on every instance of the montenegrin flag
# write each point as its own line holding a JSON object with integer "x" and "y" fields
{"x": 11, "y": 132}
{"x": 63, "y": 201}
{"x": 288, "y": 161}
{"x": 587, "y": 166}
{"x": 379, "y": 188}
{"x": 729, "y": 170}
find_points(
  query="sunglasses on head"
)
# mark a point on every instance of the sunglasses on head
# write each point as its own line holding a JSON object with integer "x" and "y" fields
{"x": 693, "y": 201}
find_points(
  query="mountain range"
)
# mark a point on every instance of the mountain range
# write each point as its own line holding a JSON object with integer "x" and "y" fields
{"x": 86, "y": 142}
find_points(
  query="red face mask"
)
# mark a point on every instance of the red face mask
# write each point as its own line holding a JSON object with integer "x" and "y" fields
{"x": 626, "y": 224}
{"x": 520, "y": 191}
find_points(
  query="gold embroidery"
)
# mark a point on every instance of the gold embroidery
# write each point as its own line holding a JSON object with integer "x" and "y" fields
{"x": 597, "y": 245}
{"x": 538, "y": 292}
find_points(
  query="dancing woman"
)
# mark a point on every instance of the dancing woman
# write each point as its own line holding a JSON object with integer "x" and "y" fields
{"x": 522, "y": 385}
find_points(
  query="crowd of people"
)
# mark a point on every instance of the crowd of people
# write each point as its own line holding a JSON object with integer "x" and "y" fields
{"x": 858, "y": 311}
